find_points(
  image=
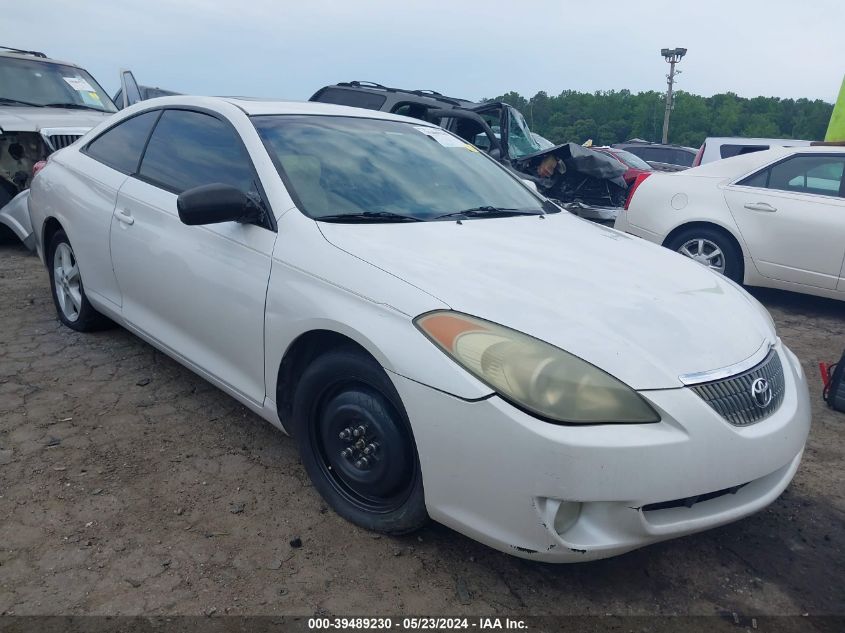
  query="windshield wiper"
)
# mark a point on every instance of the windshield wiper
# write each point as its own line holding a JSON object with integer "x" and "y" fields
{"x": 19, "y": 102}
{"x": 368, "y": 216}
{"x": 487, "y": 211}
{"x": 73, "y": 106}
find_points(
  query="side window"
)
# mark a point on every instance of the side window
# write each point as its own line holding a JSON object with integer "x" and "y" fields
{"x": 820, "y": 175}
{"x": 354, "y": 98}
{"x": 760, "y": 179}
{"x": 120, "y": 147}
{"x": 415, "y": 110}
{"x": 189, "y": 149}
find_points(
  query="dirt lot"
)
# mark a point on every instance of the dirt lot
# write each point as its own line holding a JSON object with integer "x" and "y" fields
{"x": 128, "y": 485}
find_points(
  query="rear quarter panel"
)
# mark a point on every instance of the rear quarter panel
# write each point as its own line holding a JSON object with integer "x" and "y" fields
{"x": 665, "y": 202}
{"x": 80, "y": 194}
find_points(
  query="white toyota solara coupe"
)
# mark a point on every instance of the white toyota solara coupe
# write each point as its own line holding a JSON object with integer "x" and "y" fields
{"x": 774, "y": 218}
{"x": 440, "y": 341}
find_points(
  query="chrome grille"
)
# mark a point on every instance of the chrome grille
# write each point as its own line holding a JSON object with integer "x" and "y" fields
{"x": 733, "y": 399}
{"x": 58, "y": 141}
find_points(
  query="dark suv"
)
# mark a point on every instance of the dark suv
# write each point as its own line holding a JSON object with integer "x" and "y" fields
{"x": 581, "y": 175}
{"x": 661, "y": 157}
{"x": 479, "y": 123}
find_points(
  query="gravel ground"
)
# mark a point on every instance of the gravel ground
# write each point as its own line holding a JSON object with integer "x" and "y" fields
{"x": 128, "y": 485}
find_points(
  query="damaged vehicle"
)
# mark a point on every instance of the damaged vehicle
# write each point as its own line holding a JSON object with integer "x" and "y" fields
{"x": 45, "y": 105}
{"x": 584, "y": 182}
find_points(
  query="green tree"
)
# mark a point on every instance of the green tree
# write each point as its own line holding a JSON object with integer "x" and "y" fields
{"x": 618, "y": 115}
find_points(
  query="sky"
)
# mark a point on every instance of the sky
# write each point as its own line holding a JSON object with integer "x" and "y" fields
{"x": 463, "y": 48}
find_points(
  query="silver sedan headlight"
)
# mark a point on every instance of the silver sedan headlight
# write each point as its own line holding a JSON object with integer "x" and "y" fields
{"x": 534, "y": 375}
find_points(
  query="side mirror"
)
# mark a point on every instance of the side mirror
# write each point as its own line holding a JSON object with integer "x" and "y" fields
{"x": 215, "y": 203}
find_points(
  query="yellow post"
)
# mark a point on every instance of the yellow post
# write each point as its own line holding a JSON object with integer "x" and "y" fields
{"x": 836, "y": 127}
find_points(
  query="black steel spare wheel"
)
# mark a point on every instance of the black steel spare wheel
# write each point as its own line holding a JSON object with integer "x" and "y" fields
{"x": 356, "y": 443}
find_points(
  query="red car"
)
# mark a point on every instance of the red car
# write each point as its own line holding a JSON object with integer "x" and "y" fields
{"x": 634, "y": 164}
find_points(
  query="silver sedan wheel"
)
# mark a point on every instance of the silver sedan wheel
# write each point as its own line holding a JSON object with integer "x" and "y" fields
{"x": 706, "y": 253}
{"x": 68, "y": 286}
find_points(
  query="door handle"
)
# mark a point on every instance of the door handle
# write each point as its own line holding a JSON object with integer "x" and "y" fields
{"x": 124, "y": 216}
{"x": 760, "y": 206}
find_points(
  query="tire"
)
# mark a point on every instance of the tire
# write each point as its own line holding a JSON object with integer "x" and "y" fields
{"x": 72, "y": 305}
{"x": 343, "y": 407}
{"x": 710, "y": 247}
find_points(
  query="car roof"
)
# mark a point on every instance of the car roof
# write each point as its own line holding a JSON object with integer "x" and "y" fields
{"x": 33, "y": 57}
{"x": 426, "y": 97}
{"x": 742, "y": 140}
{"x": 261, "y": 106}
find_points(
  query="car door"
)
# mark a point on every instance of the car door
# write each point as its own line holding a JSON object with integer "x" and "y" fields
{"x": 792, "y": 216}
{"x": 129, "y": 92}
{"x": 100, "y": 169}
{"x": 197, "y": 291}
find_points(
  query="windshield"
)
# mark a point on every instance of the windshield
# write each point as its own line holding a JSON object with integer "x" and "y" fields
{"x": 353, "y": 166}
{"x": 632, "y": 160}
{"x": 520, "y": 141}
{"x": 40, "y": 83}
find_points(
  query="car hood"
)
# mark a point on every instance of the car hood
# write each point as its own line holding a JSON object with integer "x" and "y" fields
{"x": 22, "y": 119}
{"x": 640, "y": 312}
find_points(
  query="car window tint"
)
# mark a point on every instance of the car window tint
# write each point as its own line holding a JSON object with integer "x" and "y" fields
{"x": 646, "y": 153}
{"x": 189, "y": 149}
{"x": 346, "y": 165}
{"x": 729, "y": 151}
{"x": 680, "y": 157}
{"x": 120, "y": 147}
{"x": 353, "y": 98}
{"x": 415, "y": 110}
{"x": 756, "y": 180}
{"x": 820, "y": 175}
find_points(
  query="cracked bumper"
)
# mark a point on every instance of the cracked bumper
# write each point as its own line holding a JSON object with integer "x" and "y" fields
{"x": 569, "y": 493}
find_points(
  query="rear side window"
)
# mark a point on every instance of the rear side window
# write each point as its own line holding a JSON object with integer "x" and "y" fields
{"x": 120, "y": 147}
{"x": 189, "y": 149}
{"x": 354, "y": 98}
{"x": 819, "y": 175}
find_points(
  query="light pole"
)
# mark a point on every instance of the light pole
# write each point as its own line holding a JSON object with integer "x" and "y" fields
{"x": 672, "y": 56}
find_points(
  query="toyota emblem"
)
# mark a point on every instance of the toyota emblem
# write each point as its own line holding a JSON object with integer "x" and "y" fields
{"x": 761, "y": 392}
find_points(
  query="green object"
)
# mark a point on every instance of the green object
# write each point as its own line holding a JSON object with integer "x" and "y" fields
{"x": 836, "y": 127}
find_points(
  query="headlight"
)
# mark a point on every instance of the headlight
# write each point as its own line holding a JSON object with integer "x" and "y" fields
{"x": 534, "y": 375}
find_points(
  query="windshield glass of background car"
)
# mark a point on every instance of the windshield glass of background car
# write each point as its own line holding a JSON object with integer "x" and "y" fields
{"x": 346, "y": 165}
{"x": 520, "y": 141}
{"x": 42, "y": 83}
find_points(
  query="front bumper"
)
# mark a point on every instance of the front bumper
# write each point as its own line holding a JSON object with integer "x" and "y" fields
{"x": 575, "y": 493}
{"x": 15, "y": 215}
{"x": 602, "y": 215}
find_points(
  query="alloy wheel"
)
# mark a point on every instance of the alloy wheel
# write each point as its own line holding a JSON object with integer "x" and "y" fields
{"x": 705, "y": 252}
{"x": 67, "y": 283}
